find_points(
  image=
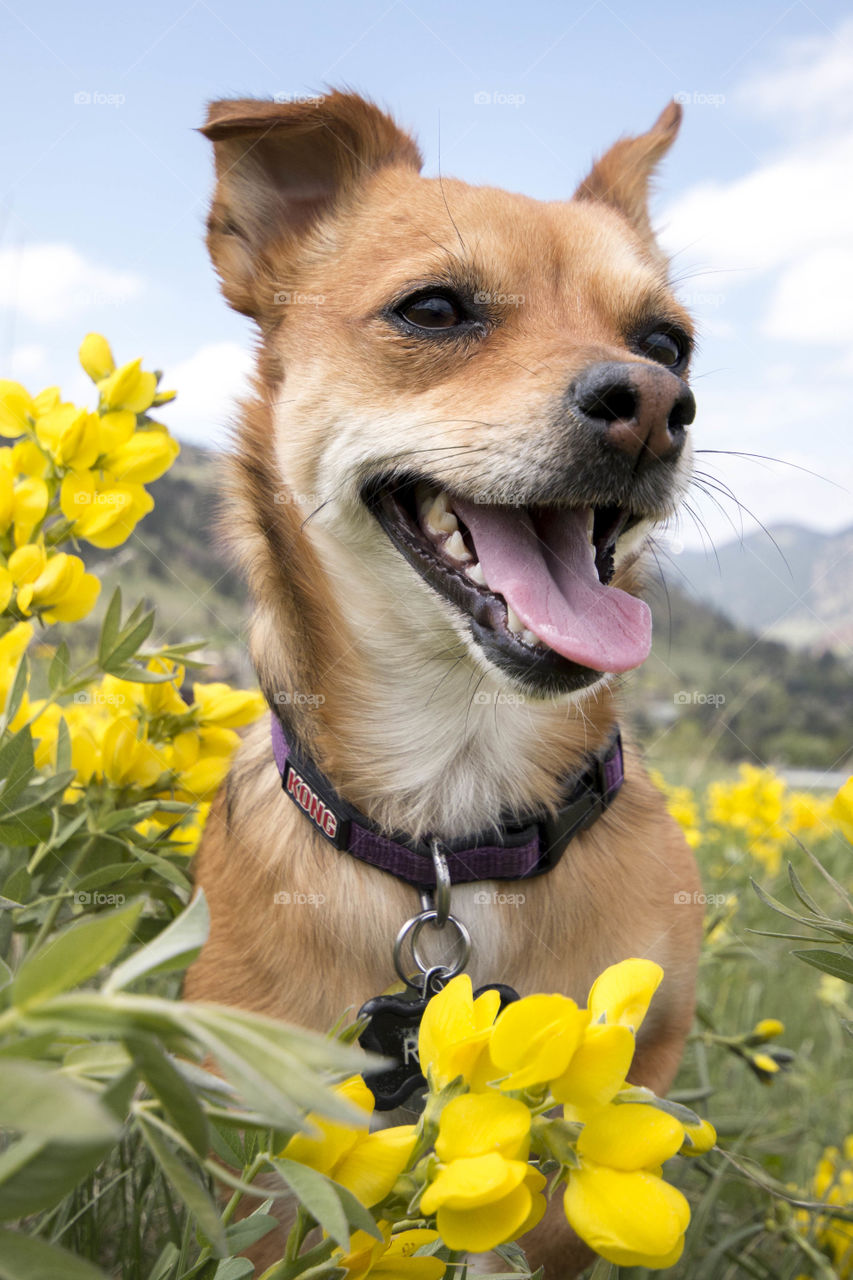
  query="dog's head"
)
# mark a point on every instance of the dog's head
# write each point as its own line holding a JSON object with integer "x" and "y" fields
{"x": 476, "y": 404}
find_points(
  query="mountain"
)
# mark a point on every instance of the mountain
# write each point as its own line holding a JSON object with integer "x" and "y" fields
{"x": 712, "y": 689}
{"x": 791, "y": 584}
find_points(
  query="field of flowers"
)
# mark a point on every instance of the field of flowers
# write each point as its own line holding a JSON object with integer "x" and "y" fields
{"x": 122, "y": 1154}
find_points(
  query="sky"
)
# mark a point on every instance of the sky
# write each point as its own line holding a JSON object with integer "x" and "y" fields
{"x": 104, "y": 184}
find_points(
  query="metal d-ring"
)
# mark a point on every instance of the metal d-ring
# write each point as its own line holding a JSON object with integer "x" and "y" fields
{"x": 414, "y": 926}
{"x": 441, "y": 899}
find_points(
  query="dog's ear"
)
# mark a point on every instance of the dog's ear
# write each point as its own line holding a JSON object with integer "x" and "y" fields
{"x": 279, "y": 168}
{"x": 621, "y": 177}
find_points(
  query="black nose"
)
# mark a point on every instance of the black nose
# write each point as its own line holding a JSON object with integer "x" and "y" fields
{"x": 639, "y": 409}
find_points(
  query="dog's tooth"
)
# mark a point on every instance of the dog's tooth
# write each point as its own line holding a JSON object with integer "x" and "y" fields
{"x": 513, "y": 622}
{"x": 529, "y": 638}
{"x": 439, "y": 518}
{"x": 475, "y": 573}
{"x": 455, "y": 548}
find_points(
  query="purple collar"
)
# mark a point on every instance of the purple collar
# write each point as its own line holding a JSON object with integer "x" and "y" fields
{"x": 523, "y": 848}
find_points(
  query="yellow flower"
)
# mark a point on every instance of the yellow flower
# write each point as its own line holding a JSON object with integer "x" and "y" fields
{"x": 13, "y": 644}
{"x": 623, "y": 992}
{"x": 153, "y": 698}
{"x": 7, "y": 587}
{"x": 61, "y": 590}
{"x": 126, "y": 758}
{"x": 143, "y": 458}
{"x": 219, "y": 704}
{"x": 129, "y": 387}
{"x": 104, "y": 511}
{"x": 699, "y": 1138}
{"x": 454, "y": 1034}
{"x": 96, "y": 357}
{"x": 115, "y": 429}
{"x": 616, "y": 1201}
{"x": 70, "y": 435}
{"x": 598, "y": 1067}
{"x": 367, "y": 1164}
{"x": 841, "y": 810}
{"x": 833, "y": 1183}
{"x": 484, "y": 1192}
{"x": 390, "y": 1257}
{"x": 16, "y": 409}
{"x": 535, "y": 1038}
{"x": 23, "y": 502}
{"x": 768, "y": 1028}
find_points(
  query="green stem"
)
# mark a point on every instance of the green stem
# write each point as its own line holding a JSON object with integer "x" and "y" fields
{"x": 248, "y": 1175}
{"x": 298, "y": 1232}
{"x": 65, "y": 888}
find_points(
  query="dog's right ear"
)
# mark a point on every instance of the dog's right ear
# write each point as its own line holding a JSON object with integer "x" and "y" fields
{"x": 279, "y": 168}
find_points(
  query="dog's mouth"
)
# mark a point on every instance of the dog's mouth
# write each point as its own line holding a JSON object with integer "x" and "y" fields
{"x": 533, "y": 580}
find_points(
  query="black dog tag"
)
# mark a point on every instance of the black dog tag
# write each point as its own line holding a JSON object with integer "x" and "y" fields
{"x": 393, "y": 1032}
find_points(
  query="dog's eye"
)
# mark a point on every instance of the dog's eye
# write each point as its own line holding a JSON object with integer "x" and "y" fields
{"x": 433, "y": 311}
{"x": 666, "y": 348}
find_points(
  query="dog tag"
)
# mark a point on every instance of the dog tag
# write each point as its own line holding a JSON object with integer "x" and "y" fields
{"x": 395, "y": 1021}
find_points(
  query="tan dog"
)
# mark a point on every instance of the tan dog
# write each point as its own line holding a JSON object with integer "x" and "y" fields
{"x": 470, "y": 408}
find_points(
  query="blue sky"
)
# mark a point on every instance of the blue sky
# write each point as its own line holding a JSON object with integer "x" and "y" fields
{"x": 104, "y": 184}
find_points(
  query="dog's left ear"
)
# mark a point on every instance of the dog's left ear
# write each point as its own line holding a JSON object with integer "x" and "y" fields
{"x": 621, "y": 177}
{"x": 280, "y": 167}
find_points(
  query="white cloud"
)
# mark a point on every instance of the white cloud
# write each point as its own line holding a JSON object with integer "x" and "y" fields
{"x": 786, "y": 207}
{"x": 812, "y": 87}
{"x": 207, "y": 383}
{"x": 26, "y": 361}
{"x": 813, "y": 300}
{"x": 49, "y": 282}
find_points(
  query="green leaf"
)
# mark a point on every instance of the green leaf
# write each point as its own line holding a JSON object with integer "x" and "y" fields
{"x": 5, "y": 971}
{"x": 59, "y": 671}
{"x": 167, "y": 1083}
{"x": 234, "y": 1269}
{"x": 17, "y": 765}
{"x": 24, "y": 1258}
{"x": 18, "y": 688}
{"x": 36, "y": 1174}
{"x": 128, "y": 644}
{"x": 72, "y": 956}
{"x": 37, "y": 1100}
{"x": 832, "y": 962}
{"x": 182, "y": 938}
{"x": 187, "y": 1187}
{"x": 164, "y": 1267}
{"x": 63, "y": 747}
{"x": 335, "y": 1208}
{"x": 250, "y": 1230}
{"x": 110, "y": 626}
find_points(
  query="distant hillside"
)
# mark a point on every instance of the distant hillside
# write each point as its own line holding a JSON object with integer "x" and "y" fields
{"x": 712, "y": 689}
{"x": 791, "y": 583}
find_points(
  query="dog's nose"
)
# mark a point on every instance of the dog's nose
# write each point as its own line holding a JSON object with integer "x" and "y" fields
{"x": 636, "y": 408}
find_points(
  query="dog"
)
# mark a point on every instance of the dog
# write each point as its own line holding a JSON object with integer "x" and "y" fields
{"x": 470, "y": 410}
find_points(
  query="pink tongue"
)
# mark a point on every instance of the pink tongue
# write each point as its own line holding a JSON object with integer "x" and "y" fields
{"x": 548, "y": 575}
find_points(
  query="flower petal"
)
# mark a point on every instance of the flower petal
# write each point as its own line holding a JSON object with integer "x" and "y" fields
{"x": 629, "y": 1218}
{"x": 476, "y": 1123}
{"x": 598, "y": 1068}
{"x": 630, "y": 1136}
{"x": 624, "y": 992}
